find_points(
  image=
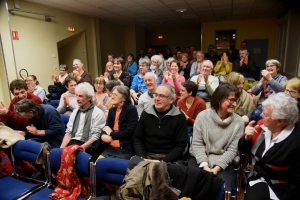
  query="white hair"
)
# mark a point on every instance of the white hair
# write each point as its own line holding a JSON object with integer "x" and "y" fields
{"x": 158, "y": 58}
{"x": 151, "y": 74}
{"x": 78, "y": 61}
{"x": 87, "y": 88}
{"x": 283, "y": 106}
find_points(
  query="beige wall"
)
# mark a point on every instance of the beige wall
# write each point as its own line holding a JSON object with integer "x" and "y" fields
{"x": 36, "y": 51}
{"x": 112, "y": 40}
{"x": 130, "y": 40}
{"x": 245, "y": 29}
{"x": 73, "y": 48}
{"x": 175, "y": 36}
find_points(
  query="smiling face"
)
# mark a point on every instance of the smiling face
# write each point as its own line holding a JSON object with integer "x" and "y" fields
{"x": 199, "y": 57}
{"x": 20, "y": 94}
{"x": 109, "y": 66}
{"x": 117, "y": 66}
{"x": 292, "y": 92}
{"x": 240, "y": 85}
{"x": 272, "y": 69}
{"x": 228, "y": 104}
{"x": 77, "y": 66}
{"x": 174, "y": 68}
{"x": 162, "y": 101}
{"x": 184, "y": 93}
{"x": 99, "y": 87}
{"x": 206, "y": 68}
{"x": 62, "y": 71}
{"x": 116, "y": 98}
{"x": 184, "y": 58}
{"x": 30, "y": 82}
{"x": 150, "y": 83}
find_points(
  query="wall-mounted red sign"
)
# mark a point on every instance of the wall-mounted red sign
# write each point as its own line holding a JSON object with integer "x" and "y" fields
{"x": 15, "y": 35}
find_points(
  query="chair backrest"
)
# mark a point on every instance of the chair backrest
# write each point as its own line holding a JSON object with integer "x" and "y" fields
{"x": 26, "y": 150}
{"x": 54, "y": 103}
{"x": 81, "y": 163}
{"x": 65, "y": 119}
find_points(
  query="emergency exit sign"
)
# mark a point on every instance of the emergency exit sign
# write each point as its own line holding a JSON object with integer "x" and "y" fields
{"x": 15, "y": 35}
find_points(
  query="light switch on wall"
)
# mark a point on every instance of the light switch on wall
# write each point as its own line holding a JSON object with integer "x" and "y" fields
{"x": 53, "y": 56}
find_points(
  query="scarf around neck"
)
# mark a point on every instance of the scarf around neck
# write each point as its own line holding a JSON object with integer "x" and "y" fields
{"x": 87, "y": 122}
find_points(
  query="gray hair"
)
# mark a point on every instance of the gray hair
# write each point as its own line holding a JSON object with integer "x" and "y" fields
{"x": 209, "y": 63}
{"x": 77, "y": 60}
{"x": 244, "y": 51}
{"x": 87, "y": 88}
{"x": 274, "y": 62}
{"x": 158, "y": 58}
{"x": 172, "y": 92}
{"x": 26, "y": 106}
{"x": 145, "y": 61}
{"x": 200, "y": 52}
{"x": 283, "y": 106}
{"x": 125, "y": 92}
{"x": 151, "y": 74}
{"x": 170, "y": 59}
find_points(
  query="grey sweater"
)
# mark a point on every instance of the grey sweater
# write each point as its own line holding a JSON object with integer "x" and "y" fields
{"x": 215, "y": 140}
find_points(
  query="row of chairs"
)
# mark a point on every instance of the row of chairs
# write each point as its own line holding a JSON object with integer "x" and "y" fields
{"x": 18, "y": 187}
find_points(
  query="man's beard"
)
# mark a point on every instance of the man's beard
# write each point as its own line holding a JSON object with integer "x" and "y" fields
{"x": 153, "y": 67}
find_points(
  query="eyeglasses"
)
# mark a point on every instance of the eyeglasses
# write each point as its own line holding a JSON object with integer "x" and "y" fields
{"x": 290, "y": 92}
{"x": 232, "y": 101}
{"x": 28, "y": 80}
{"x": 160, "y": 96}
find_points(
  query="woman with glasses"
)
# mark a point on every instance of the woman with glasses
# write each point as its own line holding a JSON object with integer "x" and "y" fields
{"x": 120, "y": 125}
{"x": 101, "y": 98}
{"x": 246, "y": 102}
{"x": 271, "y": 83}
{"x": 34, "y": 87}
{"x": 79, "y": 73}
{"x": 216, "y": 133}
{"x": 292, "y": 88}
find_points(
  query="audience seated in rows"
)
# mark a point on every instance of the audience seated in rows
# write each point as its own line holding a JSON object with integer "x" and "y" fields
{"x": 292, "y": 88}
{"x": 223, "y": 67}
{"x": 216, "y": 134}
{"x": 189, "y": 104}
{"x": 156, "y": 67}
{"x": 173, "y": 78}
{"x": 271, "y": 83}
{"x": 122, "y": 76}
{"x": 146, "y": 99}
{"x": 138, "y": 86}
{"x": 206, "y": 83}
{"x": 79, "y": 73}
{"x": 195, "y": 68}
{"x": 246, "y": 103}
{"x": 120, "y": 125}
{"x": 131, "y": 66}
{"x": 18, "y": 88}
{"x": 101, "y": 98}
{"x": 85, "y": 123}
{"x": 68, "y": 101}
{"x": 108, "y": 75}
{"x": 34, "y": 87}
{"x": 185, "y": 66}
{"x": 45, "y": 123}
{"x": 274, "y": 147}
{"x": 58, "y": 88}
{"x": 161, "y": 133}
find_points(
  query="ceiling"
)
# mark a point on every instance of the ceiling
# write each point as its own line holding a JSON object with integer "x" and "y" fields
{"x": 147, "y": 13}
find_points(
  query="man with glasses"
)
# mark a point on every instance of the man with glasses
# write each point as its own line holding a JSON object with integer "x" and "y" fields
{"x": 8, "y": 116}
{"x": 161, "y": 133}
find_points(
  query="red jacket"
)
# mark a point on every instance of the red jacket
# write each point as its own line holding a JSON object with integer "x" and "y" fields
{"x": 13, "y": 120}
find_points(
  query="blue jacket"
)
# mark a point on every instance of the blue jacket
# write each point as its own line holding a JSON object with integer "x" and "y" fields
{"x": 50, "y": 121}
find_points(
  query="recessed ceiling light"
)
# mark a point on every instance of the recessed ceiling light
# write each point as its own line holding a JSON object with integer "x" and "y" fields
{"x": 181, "y": 10}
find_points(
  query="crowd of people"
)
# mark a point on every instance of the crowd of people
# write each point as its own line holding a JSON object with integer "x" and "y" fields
{"x": 169, "y": 107}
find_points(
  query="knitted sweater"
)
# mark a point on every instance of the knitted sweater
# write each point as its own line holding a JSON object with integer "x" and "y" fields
{"x": 215, "y": 140}
{"x": 144, "y": 102}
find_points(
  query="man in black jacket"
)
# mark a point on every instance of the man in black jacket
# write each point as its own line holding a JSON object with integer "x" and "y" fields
{"x": 161, "y": 133}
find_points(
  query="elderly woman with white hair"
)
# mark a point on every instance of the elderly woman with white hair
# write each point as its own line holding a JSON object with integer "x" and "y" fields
{"x": 79, "y": 73}
{"x": 206, "y": 82}
{"x": 275, "y": 149}
{"x": 156, "y": 67}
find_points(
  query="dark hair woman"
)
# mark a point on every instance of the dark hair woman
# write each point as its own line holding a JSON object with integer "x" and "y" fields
{"x": 216, "y": 133}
